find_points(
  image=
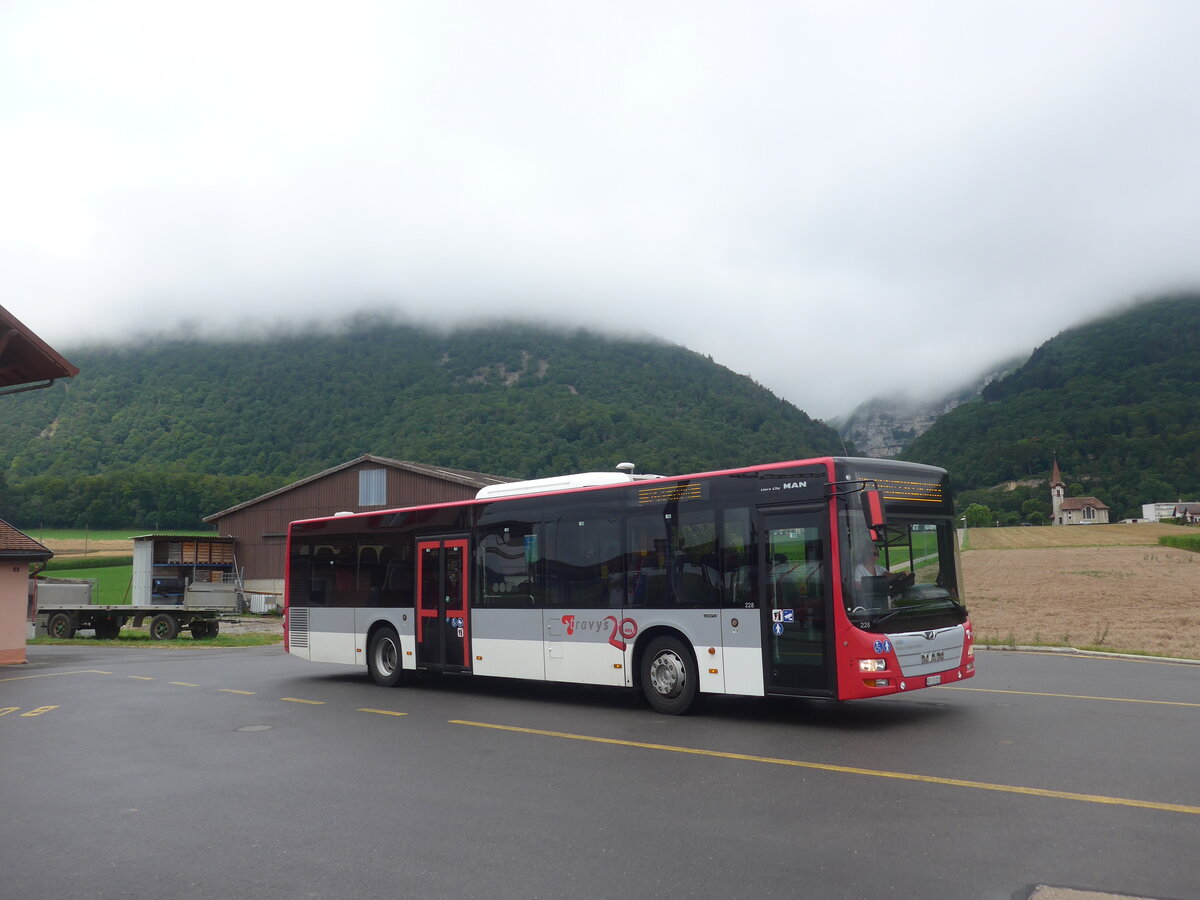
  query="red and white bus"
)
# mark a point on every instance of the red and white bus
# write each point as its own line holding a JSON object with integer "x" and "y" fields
{"x": 832, "y": 577}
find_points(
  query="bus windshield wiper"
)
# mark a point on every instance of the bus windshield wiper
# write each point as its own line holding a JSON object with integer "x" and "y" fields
{"x": 921, "y": 607}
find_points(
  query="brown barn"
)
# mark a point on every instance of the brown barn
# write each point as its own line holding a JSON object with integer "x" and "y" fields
{"x": 366, "y": 483}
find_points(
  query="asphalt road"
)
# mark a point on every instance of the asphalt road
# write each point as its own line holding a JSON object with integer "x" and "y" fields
{"x": 247, "y": 773}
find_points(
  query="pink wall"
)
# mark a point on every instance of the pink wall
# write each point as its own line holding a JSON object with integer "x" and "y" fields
{"x": 14, "y": 608}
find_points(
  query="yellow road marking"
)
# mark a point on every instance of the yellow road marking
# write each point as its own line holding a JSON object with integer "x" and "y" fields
{"x": 950, "y": 687}
{"x": 232, "y": 691}
{"x": 140, "y": 677}
{"x": 4, "y": 711}
{"x": 298, "y": 700}
{"x": 183, "y": 683}
{"x": 56, "y": 674}
{"x": 383, "y": 712}
{"x": 38, "y": 711}
{"x": 851, "y": 770}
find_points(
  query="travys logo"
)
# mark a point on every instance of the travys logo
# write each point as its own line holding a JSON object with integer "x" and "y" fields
{"x": 618, "y": 631}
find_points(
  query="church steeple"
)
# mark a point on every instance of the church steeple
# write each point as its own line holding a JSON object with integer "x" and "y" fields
{"x": 1058, "y": 490}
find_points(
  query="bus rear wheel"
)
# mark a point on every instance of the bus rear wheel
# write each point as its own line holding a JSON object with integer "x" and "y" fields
{"x": 669, "y": 676}
{"x": 384, "y": 658}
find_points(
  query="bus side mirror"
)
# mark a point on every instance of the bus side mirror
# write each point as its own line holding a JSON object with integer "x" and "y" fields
{"x": 873, "y": 510}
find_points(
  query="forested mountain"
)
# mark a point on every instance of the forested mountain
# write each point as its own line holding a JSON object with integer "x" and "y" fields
{"x": 1116, "y": 400}
{"x": 165, "y": 432}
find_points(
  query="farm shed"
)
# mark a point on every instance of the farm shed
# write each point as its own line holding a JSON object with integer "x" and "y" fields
{"x": 259, "y": 526}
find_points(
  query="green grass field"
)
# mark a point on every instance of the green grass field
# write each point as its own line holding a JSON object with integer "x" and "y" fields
{"x": 113, "y": 583}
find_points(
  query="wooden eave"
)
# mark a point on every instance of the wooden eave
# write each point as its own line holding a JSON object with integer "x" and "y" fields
{"x": 17, "y": 546}
{"x": 26, "y": 361}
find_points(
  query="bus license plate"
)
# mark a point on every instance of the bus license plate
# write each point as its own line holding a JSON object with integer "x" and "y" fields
{"x": 932, "y": 680}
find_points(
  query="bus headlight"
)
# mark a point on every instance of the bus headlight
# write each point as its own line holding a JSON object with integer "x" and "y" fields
{"x": 872, "y": 665}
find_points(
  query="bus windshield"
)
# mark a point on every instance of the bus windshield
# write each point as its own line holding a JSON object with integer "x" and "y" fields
{"x": 904, "y": 578}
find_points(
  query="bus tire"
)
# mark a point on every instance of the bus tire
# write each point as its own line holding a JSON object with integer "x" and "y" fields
{"x": 384, "y": 658}
{"x": 669, "y": 676}
{"x": 61, "y": 626}
{"x": 164, "y": 627}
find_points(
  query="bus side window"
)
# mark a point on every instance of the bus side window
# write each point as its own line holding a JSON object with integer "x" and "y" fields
{"x": 736, "y": 560}
{"x": 345, "y": 573}
{"x": 300, "y": 576}
{"x": 583, "y": 562}
{"x": 673, "y": 560}
{"x": 510, "y": 560}
{"x": 398, "y": 572}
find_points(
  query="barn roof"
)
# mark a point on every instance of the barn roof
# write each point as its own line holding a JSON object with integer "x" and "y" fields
{"x": 457, "y": 476}
{"x": 16, "y": 545}
{"x": 26, "y": 361}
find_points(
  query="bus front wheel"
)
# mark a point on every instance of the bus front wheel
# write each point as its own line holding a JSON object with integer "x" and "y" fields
{"x": 668, "y": 675}
{"x": 384, "y": 658}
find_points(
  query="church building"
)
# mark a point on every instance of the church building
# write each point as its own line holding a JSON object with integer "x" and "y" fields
{"x": 1073, "y": 510}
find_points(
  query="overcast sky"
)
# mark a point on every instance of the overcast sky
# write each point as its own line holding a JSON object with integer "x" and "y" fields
{"x": 840, "y": 199}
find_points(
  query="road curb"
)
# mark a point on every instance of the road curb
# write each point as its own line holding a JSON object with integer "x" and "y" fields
{"x": 1099, "y": 654}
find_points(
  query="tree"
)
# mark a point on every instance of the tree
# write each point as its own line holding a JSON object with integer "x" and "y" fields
{"x": 978, "y": 516}
{"x": 1031, "y": 507}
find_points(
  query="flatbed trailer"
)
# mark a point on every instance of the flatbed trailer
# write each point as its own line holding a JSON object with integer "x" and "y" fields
{"x": 177, "y": 582}
{"x": 62, "y": 608}
{"x": 165, "y": 621}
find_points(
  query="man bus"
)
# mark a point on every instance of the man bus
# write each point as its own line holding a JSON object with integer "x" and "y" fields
{"x": 748, "y": 581}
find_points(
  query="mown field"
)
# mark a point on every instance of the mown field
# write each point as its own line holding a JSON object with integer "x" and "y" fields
{"x": 1069, "y": 536}
{"x": 1101, "y": 587}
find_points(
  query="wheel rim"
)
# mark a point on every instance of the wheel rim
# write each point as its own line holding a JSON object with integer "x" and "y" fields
{"x": 668, "y": 676}
{"x": 386, "y": 656}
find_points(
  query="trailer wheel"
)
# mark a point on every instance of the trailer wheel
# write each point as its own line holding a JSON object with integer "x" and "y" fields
{"x": 61, "y": 626}
{"x": 204, "y": 628}
{"x": 108, "y": 628}
{"x": 384, "y": 659}
{"x": 164, "y": 627}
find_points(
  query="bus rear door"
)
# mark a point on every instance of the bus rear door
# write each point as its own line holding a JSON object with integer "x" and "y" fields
{"x": 443, "y": 619}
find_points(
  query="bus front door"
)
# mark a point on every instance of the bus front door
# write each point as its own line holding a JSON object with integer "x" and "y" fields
{"x": 795, "y": 620}
{"x": 443, "y": 623}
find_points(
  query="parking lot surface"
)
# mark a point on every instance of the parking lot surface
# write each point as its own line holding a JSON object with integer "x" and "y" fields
{"x": 244, "y": 772}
